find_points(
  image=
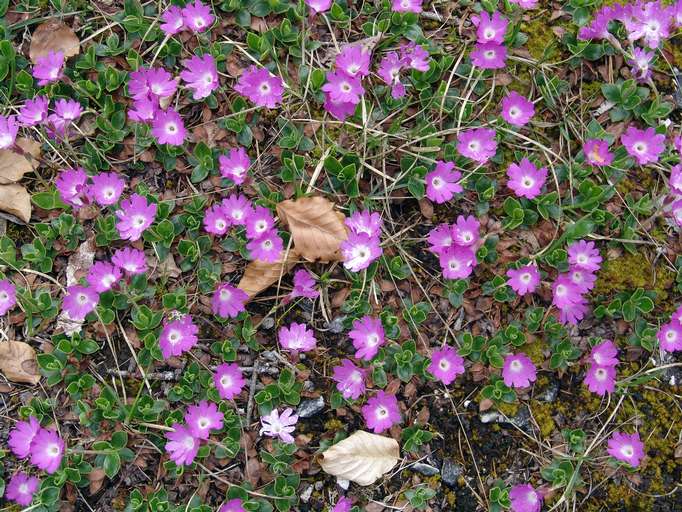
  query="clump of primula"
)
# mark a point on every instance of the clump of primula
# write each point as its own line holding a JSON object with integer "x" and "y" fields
{"x": 626, "y": 448}
{"x": 363, "y": 245}
{"x": 601, "y": 375}
{"x": 344, "y": 90}
{"x": 279, "y": 425}
{"x": 381, "y": 412}
{"x": 455, "y": 245}
{"x": 518, "y": 370}
{"x": 411, "y": 56}
{"x": 489, "y": 52}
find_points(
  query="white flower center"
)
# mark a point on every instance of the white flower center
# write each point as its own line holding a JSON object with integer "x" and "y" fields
{"x": 640, "y": 147}
{"x": 23, "y": 489}
{"x": 527, "y": 181}
{"x": 489, "y": 33}
{"x": 474, "y": 146}
{"x": 226, "y": 381}
{"x": 600, "y": 374}
{"x": 627, "y": 451}
{"x": 173, "y": 337}
{"x": 138, "y": 221}
{"x": 171, "y": 128}
{"x": 82, "y": 299}
{"x": 203, "y": 423}
{"x": 372, "y": 339}
{"x": 381, "y": 412}
{"x": 444, "y": 364}
{"x": 516, "y": 365}
{"x": 225, "y": 295}
{"x": 53, "y": 450}
{"x": 437, "y": 183}
{"x": 525, "y": 277}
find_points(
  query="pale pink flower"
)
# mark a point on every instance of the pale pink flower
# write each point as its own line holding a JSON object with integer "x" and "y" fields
{"x": 297, "y": 338}
{"x": 280, "y": 426}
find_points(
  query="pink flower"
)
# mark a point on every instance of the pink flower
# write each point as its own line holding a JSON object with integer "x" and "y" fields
{"x": 8, "y": 131}
{"x": 297, "y": 338}
{"x": 21, "y": 489}
{"x": 259, "y": 222}
{"x": 525, "y": 179}
{"x": 228, "y": 301}
{"x": 197, "y": 17}
{"x": 446, "y": 364}
{"x": 48, "y": 68}
{"x": 318, "y": 6}
{"x": 267, "y": 247}
{"x": 583, "y": 279}
{"x": 234, "y": 505}
{"x": 79, "y": 301}
{"x": 572, "y": 313}
{"x": 670, "y": 336}
{"x": 627, "y": 448}
{"x": 304, "y": 285}
{"x": 640, "y": 64}
{"x": 173, "y": 21}
{"x": 338, "y": 109}
{"x": 407, "y": 6}
{"x": 343, "y": 88}
{"x": 168, "y": 128}
{"x": 350, "y": 379}
{"x": 8, "y": 296}
{"x": 65, "y": 113}
{"x": 601, "y": 379}
{"x": 443, "y": 183}
{"x": 479, "y": 144}
{"x": 440, "y": 238}
{"x": 234, "y": 165}
{"x": 47, "y": 450}
{"x": 160, "y": 83}
{"x": 260, "y": 86}
{"x": 645, "y": 146}
{"x": 134, "y": 217}
{"x": 182, "y": 446}
{"x": 381, "y": 412}
{"x": 389, "y": 71}
{"x": 237, "y": 208}
{"x": 132, "y": 261}
{"x": 675, "y": 181}
{"x": 597, "y": 152}
{"x": 34, "y": 111}
{"x": 489, "y": 56}
{"x": 525, "y": 499}
{"x": 465, "y": 231}
{"x": 650, "y": 21}
{"x": 202, "y": 418}
{"x": 457, "y": 262}
{"x": 71, "y": 186}
{"x": 343, "y": 505}
{"x": 516, "y": 109}
{"x": 676, "y": 212}
{"x": 200, "y": 75}
{"x": 281, "y": 426}
{"x": 415, "y": 56}
{"x": 144, "y": 110}
{"x": 353, "y": 60}
{"x": 106, "y": 188}
{"x": 525, "y": 4}
{"x": 102, "y": 276}
{"x": 177, "y": 336}
{"x": 21, "y": 435}
{"x": 598, "y": 28}
{"x": 359, "y": 251}
{"x": 584, "y": 255}
{"x": 216, "y": 220}
{"x": 228, "y": 380}
{"x": 490, "y": 29}
{"x": 369, "y": 223}
{"x": 518, "y": 370}
{"x": 604, "y": 354}
{"x": 368, "y": 336}
{"x": 524, "y": 280}
{"x": 565, "y": 293}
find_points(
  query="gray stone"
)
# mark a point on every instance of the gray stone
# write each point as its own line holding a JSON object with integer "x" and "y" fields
{"x": 268, "y": 323}
{"x": 309, "y": 408}
{"x": 491, "y": 417}
{"x": 550, "y": 393}
{"x": 336, "y": 325}
{"x": 424, "y": 469}
{"x": 450, "y": 472}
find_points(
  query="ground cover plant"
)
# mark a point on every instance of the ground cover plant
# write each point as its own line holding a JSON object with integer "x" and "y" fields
{"x": 266, "y": 255}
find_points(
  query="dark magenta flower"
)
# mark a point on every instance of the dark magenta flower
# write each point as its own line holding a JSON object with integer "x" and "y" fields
{"x": 457, "y": 262}
{"x": 228, "y": 301}
{"x": 200, "y": 75}
{"x": 524, "y": 280}
{"x": 260, "y": 86}
{"x": 168, "y": 128}
{"x": 47, "y": 450}
{"x": 34, "y": 111}
{"x": 381, "y": 412}
{"x": 267, "y": 247}
{"x": 478, "y": 144}
{"x": 446, "y": 364}
{"x": 601, "y": 379}
{"x": 178, "y": 336}
{"x": 518, "y": 371}
{"x": 182, "y": 446}
{"x": 228, "y": 380}
{"x": 21, "y": 489}
{"x": 202, "y": 418}
{"x": 350, "y": 379}
{"x": 443, "y": 182}
{"x": 197, "y": 17}
{"x": 343, "y": 88}
{"x": 130, "y": 260}
{"x": 79, "y": 301}
{"x": 354, "y": 60}
{"x": 8, "y": 296}
{"x": 8, "y": 131}
{"x": 516, "y": 109}
{"x": 106, "y": 188}
{"x": 234, "y": 165}
{"x": 489, "y": 56}
{"x": 134, "y": 217}
{"x": 48, "y": 68}
{"x": 173, "y": 22}
{"x": 490, "y": 29}
{"x": 645, "y": 146}
{"x": 627, "y": 448}
{"x": 102, "y": 276}
{"x": 368, "y": 336}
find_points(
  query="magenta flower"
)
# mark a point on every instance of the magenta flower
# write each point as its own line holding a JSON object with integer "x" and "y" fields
{"x": 645, "y": 146}
{"x": 318, "y": 6}
{"x": 178, "y": 336}
{"x": 381, "y": 412}
{"x": 65, "y": 113}
{"x": 343, "y": 88}
{"x": 343, "y": 505}
{"x": 676, "y": 212}
{"x": 34, "y": 111}
{"x": 79, "y": 301}
{"x": 138, "y": 85}
{"x": 389, "y": 71}
{"x": 478, "y": 144}
{"x": 168, "y": 128}
{"x": 525, "y": 499}
{"x": 228, "y": 301}
{"x": 234, "y": 505}
{"x": 670, "y": 336}
{"x": 565, "y": 293}
{"x": 440, "y": 238}
{"x": 134, "y": 217}
{"x": 598, "y": 28}
{"x": 21, "y": 489}
{"x": 525, "y": 4}
{"x": 518, "y": 370}
{"x": 353, "y": 60}
{"x": 8, "y": 296}
{"x": 675, "y": 181}
{"x": 173, "y": 21}
{"x": 350, "y": 379}
{"x": 71, "y": 186}
{"x": 367, "y": 335}
{"x": 197, "y": 16}
{"x": 144, "y": 110}
{"x": 259, "y": 222}
{"x": 281, "y": 426}
{"x": 200, "y": 75}
{"x": 627, "y": 448}
{"x": 47, "y": 450}
{"x": 465, "y": 231}
{"x": 364, "y": 221}
{"x": 597, "y": 152}
{"x": 237, "y": 208}
{"x": 21, "y": 435}
{"x": 234, "y": 165}
{"x": 407, "y": 6}
{"x": 601, "y": 379}
{"x": 338, "y": 109}
{"x": 297, "y": 338}
{"x": 160, "y": 83}
{"x": 525, "y": 179}
{"x": 228, "y": 380}
{"x": 202, "y": 418}
{"x": 640, "y": 64}
{"x": 8, "y": 131}
{"x": 516, "y": 109}
{"x": 106, "y": 188}
{"x": 260, "y": 86}
{"x": 489, "y": 56}
{"x": 446, "y": 364}
{"x": 48, "y": 68}
{"x": 457, "y": 262}
{"x": 604, "y": 354}
{"x": 267, "y": 247}
{"x": 583, "y": 279}
{"x": 584, "y": 255}
{"x": 359, "y": 251}
{"x": 524, "y": 280}
{"x": 443, "y": 183}
{"x": 182, "y": 446}
{"x": 102, "y": 276}
{"x": 304, "y": 285}
{"x": 490, "y": 29}
{"x": 574, "y": 312}
{"x": 415, "y": 56}
{"x": 216, "y": 220}
{"x": 650, "y": 21}
{"x": 132, "y": 261}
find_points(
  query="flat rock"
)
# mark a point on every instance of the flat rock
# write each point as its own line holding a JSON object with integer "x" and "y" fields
{"x": 309, "y": 408}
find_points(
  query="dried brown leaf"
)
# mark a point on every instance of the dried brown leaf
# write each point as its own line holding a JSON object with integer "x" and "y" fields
{"x": 15, "y": 200}
{"x": 18, "y": 362}
{"x": 53, "y": 36}
{"x": 13, "y": 166}
{"x": 316, "y": 228}
{"x": 361, "y": 458}
{"x": 259, "y": 275}
{"x": 96, "y": 478}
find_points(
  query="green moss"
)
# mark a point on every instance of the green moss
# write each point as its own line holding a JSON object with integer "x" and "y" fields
{"x": 543, "y": 416}
{"x": 542, "y": 43}
{"x": 509, "y": 410}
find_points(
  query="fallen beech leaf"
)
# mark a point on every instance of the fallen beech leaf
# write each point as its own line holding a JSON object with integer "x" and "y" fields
{"x": 13, "y": 166}
{"x": 96, "y": 478}
{"x": 77, "y": 267}
{"x": 361, "y": 458}
{"x": 14, "y": 199}
{"x": 53, "y": 36}
{"x": 259, "y": 275}
{"x": 317, "y": 229}
{"x": 18, "y": 362}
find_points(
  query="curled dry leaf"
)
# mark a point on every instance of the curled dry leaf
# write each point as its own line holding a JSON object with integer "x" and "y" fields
{"x": 77, "y": 267}
{"x": 317, "y": 229}
{"x": 15, "y": 200}
{"x": 18, "y": 362}
{"x": 13, "y": 166}
{"x": 361, "y": 458}
{"x": 259, "y": 275}
{"x": 53, "y": 36}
